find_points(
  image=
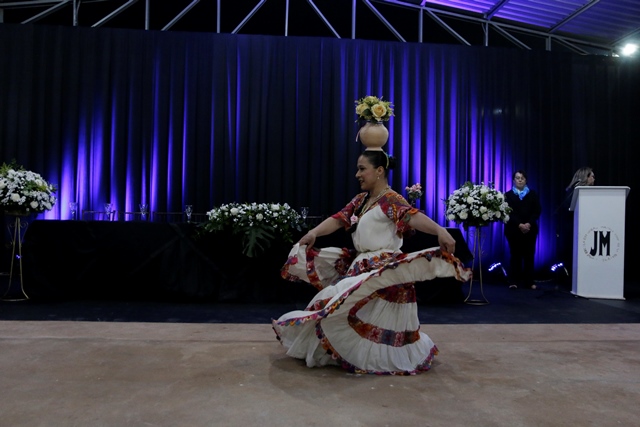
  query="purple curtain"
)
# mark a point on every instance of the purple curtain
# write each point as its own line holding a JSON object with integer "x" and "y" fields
{"x": 175, "y": 118}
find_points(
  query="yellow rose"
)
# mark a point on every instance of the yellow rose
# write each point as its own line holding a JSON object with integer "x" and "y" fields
{"x": 378, "y": 111}
{"x": 361, "y": 108}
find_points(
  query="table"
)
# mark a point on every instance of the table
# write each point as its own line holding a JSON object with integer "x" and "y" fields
{"x": 133, "y": 260}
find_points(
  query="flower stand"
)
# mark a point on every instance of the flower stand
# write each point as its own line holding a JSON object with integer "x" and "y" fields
{"x": 17, "y": 227}
{"x": 476, "y": 235}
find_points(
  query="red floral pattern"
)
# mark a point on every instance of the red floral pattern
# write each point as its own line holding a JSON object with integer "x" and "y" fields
{"x": 401, "y": 294}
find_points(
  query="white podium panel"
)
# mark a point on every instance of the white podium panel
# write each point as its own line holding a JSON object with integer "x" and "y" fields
{"x": 598, "y": 241}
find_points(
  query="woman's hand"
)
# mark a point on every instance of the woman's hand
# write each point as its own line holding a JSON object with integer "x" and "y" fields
{"x": 446, "y": 241}
{"x": 327, "y": 226}
{"x": 308, "y": 239}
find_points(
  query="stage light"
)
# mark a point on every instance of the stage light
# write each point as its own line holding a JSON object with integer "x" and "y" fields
{"x": 629, "y": 49}
{"x": 559, "y": 267}
{"x": 495, "y": 266}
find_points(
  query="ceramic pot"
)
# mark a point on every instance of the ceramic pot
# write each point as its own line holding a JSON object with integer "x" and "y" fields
{"x": 373, "y": 135}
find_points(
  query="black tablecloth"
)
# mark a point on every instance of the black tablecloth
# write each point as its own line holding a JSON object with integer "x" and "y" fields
{"x": 147, "y": 260}
{"x": 100, "y": 259}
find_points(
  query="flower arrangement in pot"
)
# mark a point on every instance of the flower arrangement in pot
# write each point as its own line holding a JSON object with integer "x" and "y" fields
{"x": 374, "y": 111}
{"x": 24, "y": 192}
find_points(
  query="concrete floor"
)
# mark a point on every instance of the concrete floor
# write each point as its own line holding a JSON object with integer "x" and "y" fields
{"x": 174, "y": 374}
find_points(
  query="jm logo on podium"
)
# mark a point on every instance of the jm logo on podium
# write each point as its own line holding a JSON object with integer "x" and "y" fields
{"x": 601, "y": 243}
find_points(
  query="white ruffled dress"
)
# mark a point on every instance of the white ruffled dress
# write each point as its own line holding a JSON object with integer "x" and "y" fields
{"x": 365, "y": 315}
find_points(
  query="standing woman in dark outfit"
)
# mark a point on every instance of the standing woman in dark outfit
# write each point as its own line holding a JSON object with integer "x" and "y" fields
{"x": 583, "y": 177}
{"x": 522, "y": 230}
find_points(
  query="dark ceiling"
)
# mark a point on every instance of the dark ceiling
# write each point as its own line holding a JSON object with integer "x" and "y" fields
{"x": 582, "y": 26}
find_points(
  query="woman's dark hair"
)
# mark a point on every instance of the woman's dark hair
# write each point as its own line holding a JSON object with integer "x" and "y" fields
{"x": 521, "y": 172}
{"x": 379, "y": 158}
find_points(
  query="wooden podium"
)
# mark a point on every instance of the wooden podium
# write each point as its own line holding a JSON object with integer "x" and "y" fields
{"x": 598, "y": 241}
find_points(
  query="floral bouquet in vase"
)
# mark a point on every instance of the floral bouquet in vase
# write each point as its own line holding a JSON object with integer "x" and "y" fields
{"x": 414, "y": 193}
{"x": 373, "y": 111}
{"x": 23, "y": 192}
{"x": 474, "y": 205}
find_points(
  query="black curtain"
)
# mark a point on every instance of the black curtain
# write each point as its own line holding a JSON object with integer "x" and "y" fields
{"x": 175, "y": 118}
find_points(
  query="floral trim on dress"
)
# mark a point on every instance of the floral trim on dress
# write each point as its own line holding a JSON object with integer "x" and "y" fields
{"x": 402, "y": 294}
{"x": 345, "y": 214}
{"x": 341, "y": 266}
{"x": 372, "y": 263}
{"x": 398, "y": 210}
{"x": 423, "y": 366}
{"x": 399, "y": 259}
{"x": 395, "y": 207}
{"x": 343, "y": 263}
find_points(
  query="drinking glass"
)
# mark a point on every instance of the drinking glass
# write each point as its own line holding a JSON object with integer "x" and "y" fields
{"x": 74, "y": 208}
{"x": 144, "y": 210}
{"x": 304, "y": 211}
{"x": 188, "y": 209}
{"x": 108, "y": 208}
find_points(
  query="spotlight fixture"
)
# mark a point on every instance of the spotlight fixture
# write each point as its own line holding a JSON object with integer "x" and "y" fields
{"x": 629, "y": 49}
{"x": 559, "y": 267}
{"x": 495, "y": 266}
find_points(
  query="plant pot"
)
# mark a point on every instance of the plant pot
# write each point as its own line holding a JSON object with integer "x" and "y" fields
{"x": 373, "y": 135}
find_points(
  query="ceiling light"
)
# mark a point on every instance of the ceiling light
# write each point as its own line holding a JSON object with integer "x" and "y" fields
{"x": 629, "y": 49}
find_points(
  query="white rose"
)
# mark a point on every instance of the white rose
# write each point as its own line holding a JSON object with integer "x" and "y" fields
{"x": 275, "y": 207}
{"x": 234, "y": 211}
{"x": 15, "y": 197}
{"x": 463, "y": 215}
{"x": 259, "y": 217}
{"x": 451, "y": 217}
{"x": 483, "y": 209}
{"x": 470, "y": 200}
{"x": 485, "y": 217}
{"x": 33, "y": 204}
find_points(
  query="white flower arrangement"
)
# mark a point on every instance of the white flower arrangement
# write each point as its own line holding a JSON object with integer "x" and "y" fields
{"x": 414, "y": 192}
{"x": 372, "y": 108}
{"x": 258, "y": 223}
{"x": 475, "y": 205}
{"x": 24, "y": 192}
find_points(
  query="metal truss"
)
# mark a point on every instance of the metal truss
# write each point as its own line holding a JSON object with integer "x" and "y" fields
{"x": 448, "y": 19}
